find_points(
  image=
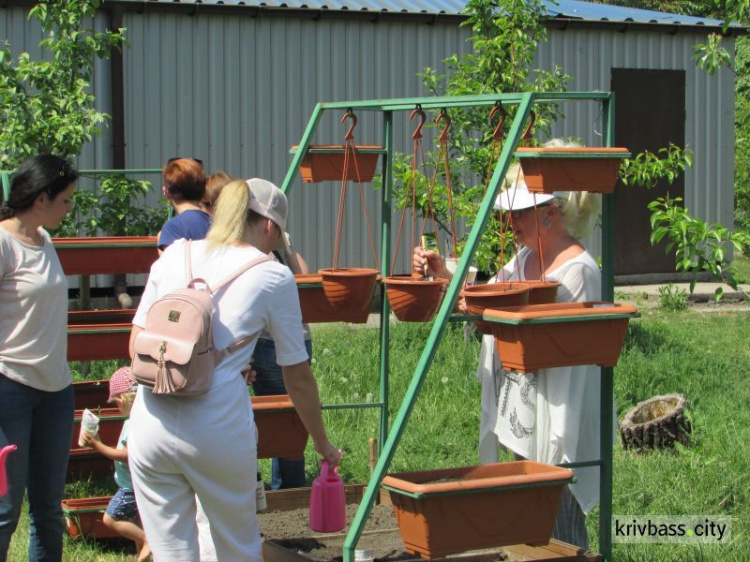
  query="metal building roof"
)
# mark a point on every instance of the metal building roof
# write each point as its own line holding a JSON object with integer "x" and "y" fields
{"x": 565, "y": 9}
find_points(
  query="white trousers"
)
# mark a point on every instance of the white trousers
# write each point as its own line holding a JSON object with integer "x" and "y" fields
{"x": 203, "y": 446}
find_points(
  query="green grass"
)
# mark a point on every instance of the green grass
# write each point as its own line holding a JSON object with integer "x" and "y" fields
{"x": 704, "y": 356}
{"x": 742, "y": 265}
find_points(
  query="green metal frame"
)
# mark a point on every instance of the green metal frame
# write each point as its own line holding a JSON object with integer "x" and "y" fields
{"x": 524, "y": 103}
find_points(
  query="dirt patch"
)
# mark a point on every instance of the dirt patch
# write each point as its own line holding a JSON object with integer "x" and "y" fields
{"x": 290, "y": 530}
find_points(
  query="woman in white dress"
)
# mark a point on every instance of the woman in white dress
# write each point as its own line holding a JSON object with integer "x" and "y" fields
{"x": 552, "y": 415}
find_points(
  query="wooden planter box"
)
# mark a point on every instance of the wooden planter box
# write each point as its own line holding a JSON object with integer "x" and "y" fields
{"x": 84, "y": 518}
{"x": 317, "y": 308}
{"x": 325, "y": 162}
{"x": 548, "y": 170}
{"x": 91, "y": 394}
{"x": 281, "y": 433}
{"x": 111, "y": 254}
{"x": 452, "y": 510}
{"x": 533, "y": 337}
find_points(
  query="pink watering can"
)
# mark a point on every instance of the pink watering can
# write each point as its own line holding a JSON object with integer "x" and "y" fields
{"x": 327, "y": 503}
{"x": 3, "y": 476}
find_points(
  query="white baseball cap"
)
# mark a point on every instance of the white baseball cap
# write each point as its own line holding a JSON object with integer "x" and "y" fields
{"x": 269, "y": 201}
{"x": 518, "y": 197}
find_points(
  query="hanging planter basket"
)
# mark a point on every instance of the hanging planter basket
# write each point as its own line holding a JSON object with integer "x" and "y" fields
{"x": 533, "y": 337}
{"x": 84, "y": 517}
{"x": 493, "y": 295}
{"x": 542, "y": 292}
{"x": 325, "y": 162}
{"x": 111, "y": 254}
{"x": 316, "y": 307}
{"x": 351, "y": 289}
{"x": 414, "y": 299}
{"x": 441, "y": 512}
{"x": 547, "y": 170}
{"x": 281, "y": 433}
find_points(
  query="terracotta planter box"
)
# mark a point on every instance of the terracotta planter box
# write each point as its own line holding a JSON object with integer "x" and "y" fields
{"x": 281, "y": 433}
{"x": 441, "y": 512}
{"x": 533, "y": 337}
{"x": 326, "y": 163}
{"x": 548, "y": 170}
{"x": 109, "y": 316}
{"x": 84, "y": 518}
{"x": 84, "y": 464}
{"x": 493, "y": 295}
{"x": 316, "y": 307}
{"x": 92, "y": 342}
{"x": 542, "y": 292}
{"x": 91, "y": 394}
{"x": 413, "y": 299}
{"x": 109, "y": 254}
{"x": 350, "y": 288}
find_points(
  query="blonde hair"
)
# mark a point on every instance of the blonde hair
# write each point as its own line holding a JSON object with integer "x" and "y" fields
{"x": 231, "y": 215}
{"x": 579, "y": 210}
{"x": 127, "y": 397}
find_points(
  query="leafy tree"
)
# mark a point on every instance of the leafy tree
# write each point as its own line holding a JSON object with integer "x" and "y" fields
{"x": 46, "y": 105}
{"x": 505, "y": 35}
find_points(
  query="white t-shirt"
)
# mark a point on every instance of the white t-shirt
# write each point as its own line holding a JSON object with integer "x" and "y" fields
{"x": 33, "y": 314}
{"x": 265, "y": 296}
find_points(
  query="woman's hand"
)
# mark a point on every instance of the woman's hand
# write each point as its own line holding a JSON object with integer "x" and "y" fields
{"x": 431, "y": 259}
{"x": 328, "y": 452}
{"x": 249, "y": 374}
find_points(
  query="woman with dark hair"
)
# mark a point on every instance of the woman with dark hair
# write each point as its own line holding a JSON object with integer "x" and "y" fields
{"x": 185, "y": 187}
{"x": 36, "y": 394}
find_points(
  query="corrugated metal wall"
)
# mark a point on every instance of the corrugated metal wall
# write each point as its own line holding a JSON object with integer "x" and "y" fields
{"x": 589, "y": 56}
{"x": 237, "y": 93}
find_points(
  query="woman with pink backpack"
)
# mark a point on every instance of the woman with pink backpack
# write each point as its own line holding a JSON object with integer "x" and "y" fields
{"x": 204, "y": 445}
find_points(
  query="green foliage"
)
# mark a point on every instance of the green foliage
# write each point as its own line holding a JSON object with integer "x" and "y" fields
{"x": 114, "y": 210}
{"x": 673, "y": 298}
{"x": 46, "y": 105}
{"x": 647, "y": 169}
{"x": 698, "y": 245}
{"x": 712, "y": 57}
{"x": 505, "y": 35}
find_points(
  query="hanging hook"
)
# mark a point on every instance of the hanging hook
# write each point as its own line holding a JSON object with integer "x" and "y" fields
{"x": 443, "y": 138}
{"x": 349, "y": 115}
{"x": 417, "y": 134}
{"x": 527, "y": 132}
{"x": 497, "y": 133}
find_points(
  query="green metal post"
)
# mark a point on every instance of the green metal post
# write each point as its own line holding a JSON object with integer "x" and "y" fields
{"x": 385, "y": 260}
{"x": 312, "y": 124}
{"x": 438, "y": 328}
{"x": 607, "y": 383}
{"x": 5, "y": 178}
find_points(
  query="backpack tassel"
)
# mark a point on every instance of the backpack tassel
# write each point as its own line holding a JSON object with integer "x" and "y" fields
{"x": 163, "y": 383}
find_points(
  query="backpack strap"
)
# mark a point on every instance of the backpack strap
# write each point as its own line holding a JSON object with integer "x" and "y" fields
{"x": 229, "y": 278}
{"x": 221, "y": 354}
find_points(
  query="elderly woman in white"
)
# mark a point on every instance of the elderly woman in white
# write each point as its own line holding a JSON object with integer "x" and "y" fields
{"x": 552, "y": 415}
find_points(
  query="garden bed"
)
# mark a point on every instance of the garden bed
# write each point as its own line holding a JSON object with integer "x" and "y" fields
{"x": 288, "y": 538}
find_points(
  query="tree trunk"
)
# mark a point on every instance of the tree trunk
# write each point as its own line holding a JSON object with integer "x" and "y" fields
{"x": 656, "y": 423}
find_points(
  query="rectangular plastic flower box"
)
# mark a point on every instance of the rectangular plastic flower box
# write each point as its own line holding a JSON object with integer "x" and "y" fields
{"x": 106, "y": 254}
{"x": 281, "y": 433}
{"x": 99, "y": 334}
{"x": 325, "y": 162}
{"x": 571, "y": 169}
{"x": 84, "y": 518}
{"x": 541, "y": 336}
{"x": 441, "y": 512}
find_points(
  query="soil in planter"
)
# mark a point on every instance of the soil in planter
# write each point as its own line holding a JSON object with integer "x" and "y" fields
{"x": 290, "y": 529}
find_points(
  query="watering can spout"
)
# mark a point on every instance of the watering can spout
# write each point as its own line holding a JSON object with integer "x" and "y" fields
{"x": 3, "y": 476}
